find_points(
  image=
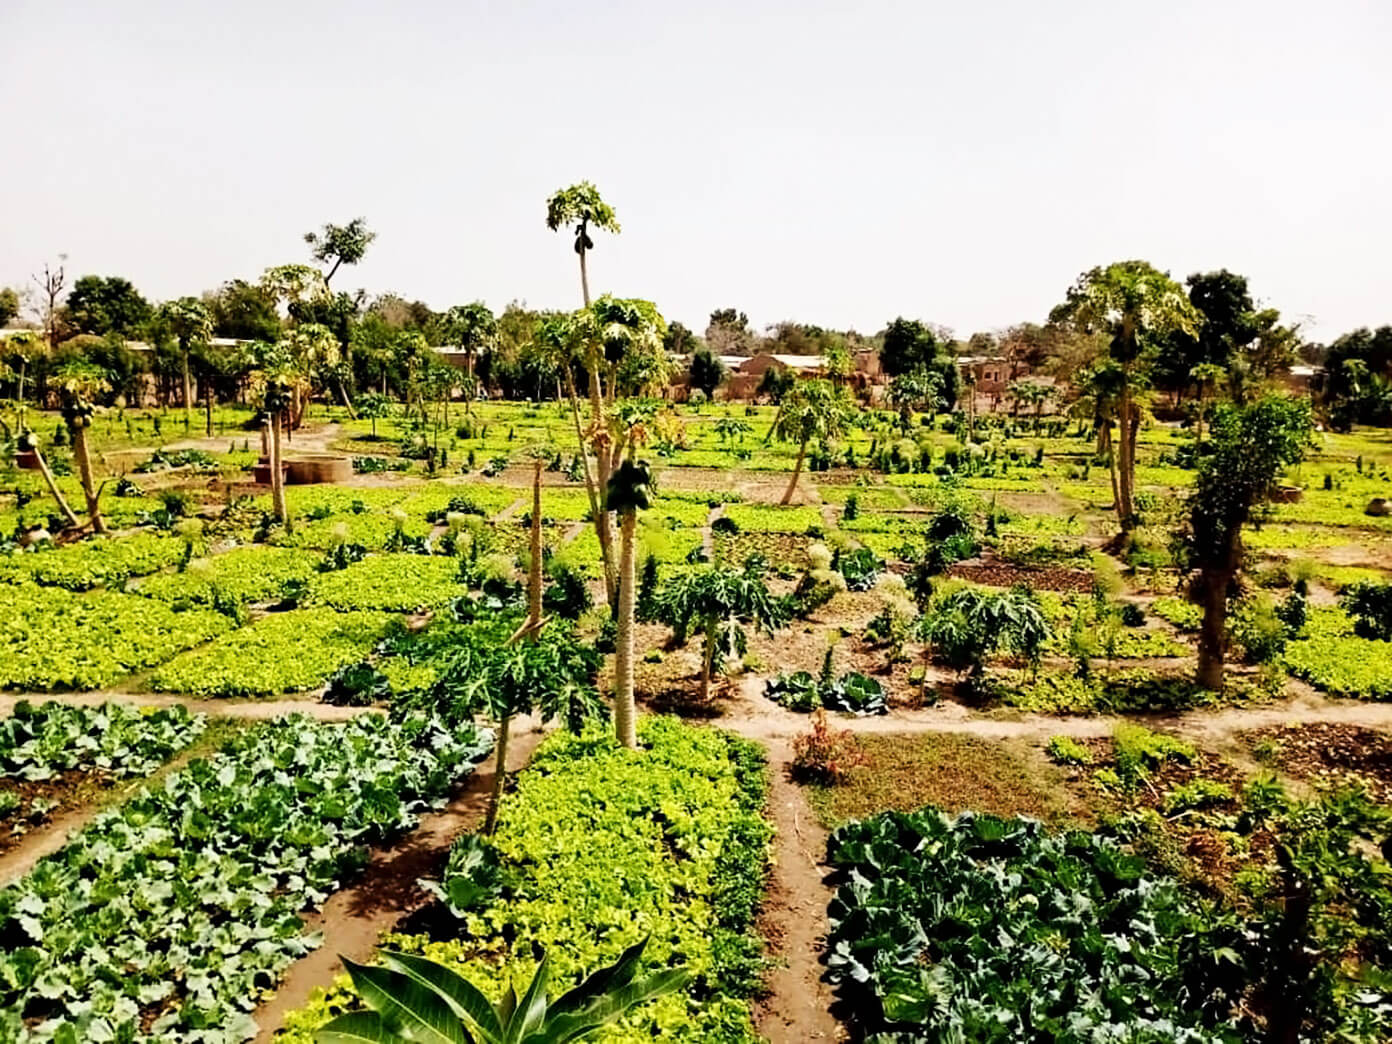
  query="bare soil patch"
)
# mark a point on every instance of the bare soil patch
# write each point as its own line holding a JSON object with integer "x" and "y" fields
{"x": 1328, "y": 755}
{"x": 1042, "y": 578}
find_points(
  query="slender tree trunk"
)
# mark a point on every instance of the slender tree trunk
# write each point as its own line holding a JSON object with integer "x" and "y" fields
{"x": 1126, "y": 466}
{"x": 595, "y": 494}
{"x": 277, "y": 476}
{"x": 500, "y": 749}
{"x": 584, "y": 273}
{"x": 188, "y": 390}
{"x": 343, "y": 398}
{"x": 52, "y": 485}
{"x": 625, "y": 709}
{"x": 534, "y": 567}
{"x": 707, "y": 661}
{"x": 23, "y": 366}
{"x": 797, "y": 472}
{"x": 208, "y": 409}
{"x": 1213, "y": 584}
{"x": 90, "y": 493}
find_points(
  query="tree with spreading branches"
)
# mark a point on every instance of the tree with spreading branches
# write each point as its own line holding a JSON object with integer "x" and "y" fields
{"x": 338, "y": 245}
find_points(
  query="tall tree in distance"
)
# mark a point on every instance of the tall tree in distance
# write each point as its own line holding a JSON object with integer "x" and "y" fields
{"x": 707, "y": 372}
{"x": 102, "y": 305}
{"x": 474, "y": 329}
{"x": 50, "y": 286}
{"x": 189, "y": 322}
{"x": 9, "y": 305}
{"x": 1247, "y": 449}
{"x": 581, "y": 205}
{"x": 814, "y": 409}
{"x": 1136, "y": 306}
{"x": 338, "y": 245}
{"x": 80, "y": 383}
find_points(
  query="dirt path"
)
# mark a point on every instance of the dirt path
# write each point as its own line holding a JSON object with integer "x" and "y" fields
{"x": 354, "y": 919}
{"x": 798, "y": 1006}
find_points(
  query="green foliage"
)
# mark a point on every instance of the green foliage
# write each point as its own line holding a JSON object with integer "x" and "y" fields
{"x": 56, "y": 639}
{"x": 357, "y": 685}
{"x": 965, "y": 626}
{"x": 240, "y": 576}
{"x": 1067, "y": 751}
{"x": 39, "y": 742}
{"x": 281, "y": 653}
{"x": 986, "y": 929}
{"x": 389, "y": 583}
{"x": 99, "y": 561}
{"x": 852, "y": 693}
{"x": 1182, "y": 613}
{"x": 1139, "y": 751}
{"x": 1370, "y": 604}
{"x": 414, "y": 998}
{"x": 220, "y": 859}
{"x": 860, "y": 567}
{"x": 718, "y": 603}
{"x": 601, "y": 846}
{"x": 1197, "y": 795}
{"x": 1343, "y": 665}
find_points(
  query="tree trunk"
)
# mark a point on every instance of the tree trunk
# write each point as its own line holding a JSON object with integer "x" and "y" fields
{"x": 534, "y": 567}
{"x": 277, "y": 476}
{"x": 208, "y": 409}
{"x": 625, "y": 710}
{"x": 84, "y": 471}
{"x": 343, "y": 398}
{"x": 188, "y": 390}
{"x": 707, "y": 659}
{"x": 584, "y": 272}
{"x": 1213, "y": 585}
{"x": 499, "y": 773}
{"x": 1126, "y": 466}
{"x": 797, "y": 472}
{"x": 52, "y": 485}
{"x": 596, "y": 496}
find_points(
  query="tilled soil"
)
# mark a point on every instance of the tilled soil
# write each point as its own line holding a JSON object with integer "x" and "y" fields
{"x": 1330, "y": 755}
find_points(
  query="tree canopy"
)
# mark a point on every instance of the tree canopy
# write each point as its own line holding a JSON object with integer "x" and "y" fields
{"x": 106, "y": 304}
{"x": 340, "y": 244}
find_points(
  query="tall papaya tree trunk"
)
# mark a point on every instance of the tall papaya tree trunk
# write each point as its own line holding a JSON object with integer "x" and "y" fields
{"x": 625, "y": 709}
{"x": 277, "y": 475}
{"x": 90, "y": 493}
{"x": 188, "y": 388}
{"x": 797, "y": 472}
{"x": 1126, "y": 513}
{"x": 208, "y": 409}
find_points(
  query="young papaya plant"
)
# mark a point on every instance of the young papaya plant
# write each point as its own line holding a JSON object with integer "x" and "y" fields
{"x": 414, "y": 1000}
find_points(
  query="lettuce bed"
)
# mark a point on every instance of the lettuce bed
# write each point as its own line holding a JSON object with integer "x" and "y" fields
{"x": 97, "y": 561}
{"x": 280, "y": 653}
{"x": 986, "y": 929}
{"x": 166, "y": 919}
{"x": 601, "y": 846}
{"x": 389, "y": 582}
{"x": 56, "y": 639}
{"x": 242, "y": 575}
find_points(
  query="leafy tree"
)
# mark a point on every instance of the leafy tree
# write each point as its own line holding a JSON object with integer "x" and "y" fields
{"x": 100, "y": 306}
{"x": 776, "y": 383}
{"x": 415, "y": 999}
{"x": 814, "y": 409}
{"x": 1031, "y": 393}
{"x": 1136, "y": 306}
{"x": 374, "y": 406}
{"x": 340, "y": 244}
{"x": 244, "y": 311}
{"x": 907, "y": 344}
{"x": 190, "y": 323}
{"x": 21, "y": 351}
{"x": 581, "y": 205}
{"x": 1353, "y": 362}
{"x": 918, "y": 389}
{"x": 680, "y": 341}
{"x": 719, "y": 603}
{"x": 707, "y": 372}
{"x": 731, "y": 428}
{"x": 80, "y": 383}
{"x": 1246, "y": 452}
{"x": 474, "y": 329}
{"x": 9, "y": 304}
{"x": 728, "y": 332}
{"x": 628, "y": 491}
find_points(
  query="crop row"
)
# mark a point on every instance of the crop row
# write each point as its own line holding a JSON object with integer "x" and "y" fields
{"x": 168, "y": 917}
{"x": 38, "y": 742}
{"x": 600, "y": 846}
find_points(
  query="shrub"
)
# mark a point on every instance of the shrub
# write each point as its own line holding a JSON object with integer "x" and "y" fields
{"x": 825, "y": 755}
{"x": 1139, "y": 751}
{"x": 1200, "y": 794}
{"x": 1370, "y": 605}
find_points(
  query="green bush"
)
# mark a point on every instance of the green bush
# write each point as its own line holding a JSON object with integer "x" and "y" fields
{"x": 1067, "y": 751}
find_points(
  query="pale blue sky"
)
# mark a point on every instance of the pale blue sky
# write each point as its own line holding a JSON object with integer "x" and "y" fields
{"x": 837, "y": 163}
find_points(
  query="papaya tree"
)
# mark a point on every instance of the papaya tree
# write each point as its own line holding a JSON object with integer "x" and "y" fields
{"x": 581, "y": 206}
{"x": 79, "y": 384}
{"x": 473, "y": 328}
{"x": 719, "y": 603}
{"x": 628, "y": 492}
{"x": 1247, "y": 449}
{"x": 22, "y": 349}
{"x": 189, "y": 322}
{"x": 340, "y": 244}
{"x": 1135, "y": 306}
{"x": 814, "y": 409}
{"x": 965, "y": 627}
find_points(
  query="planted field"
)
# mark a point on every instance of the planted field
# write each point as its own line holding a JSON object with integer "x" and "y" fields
{"x": 281, "y": 653}
{"x": 195, "y": 889}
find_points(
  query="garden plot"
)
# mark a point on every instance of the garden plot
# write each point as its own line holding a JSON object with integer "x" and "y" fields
{"x": 54, "y": 757}
{"x": 195, "y": 889}
{"x": 53, "y": 639}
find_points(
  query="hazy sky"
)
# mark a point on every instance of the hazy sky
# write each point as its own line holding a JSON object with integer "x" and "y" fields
{"x": 837, "y": 163}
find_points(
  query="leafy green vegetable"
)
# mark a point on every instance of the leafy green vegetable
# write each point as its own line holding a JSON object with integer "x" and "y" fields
{"x": 38, "y": 742}
{"x": 165, "y": 919}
